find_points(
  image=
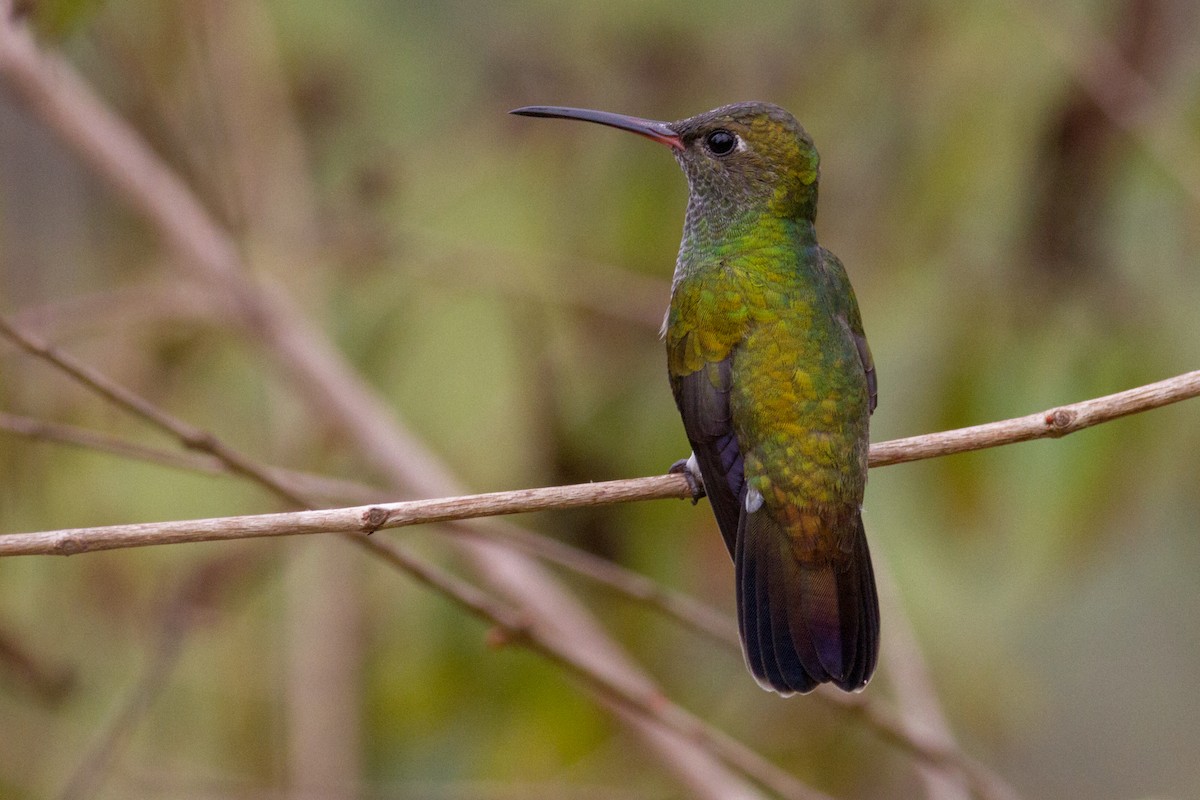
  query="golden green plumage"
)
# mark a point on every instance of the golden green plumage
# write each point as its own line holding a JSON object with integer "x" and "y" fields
{"x": 799, "y": 391}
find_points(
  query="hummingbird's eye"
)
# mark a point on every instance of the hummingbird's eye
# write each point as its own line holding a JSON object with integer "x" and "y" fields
{"x": 721, "y": 142}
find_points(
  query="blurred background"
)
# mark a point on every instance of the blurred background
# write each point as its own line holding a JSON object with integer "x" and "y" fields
{"x": 1014, "y": 189}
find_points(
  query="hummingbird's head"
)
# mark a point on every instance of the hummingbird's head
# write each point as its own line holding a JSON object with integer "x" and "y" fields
{"x": 749, "y": 155}
{"x": 739, "y": 158}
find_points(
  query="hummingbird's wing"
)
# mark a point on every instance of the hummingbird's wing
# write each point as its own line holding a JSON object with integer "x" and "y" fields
{"x": 864, "y": 355}
{"x": 847, "y": 311}
{"x": 703, "y": 400}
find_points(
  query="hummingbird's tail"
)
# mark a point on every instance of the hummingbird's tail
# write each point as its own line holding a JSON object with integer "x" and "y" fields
{"x": 807, "y": 611}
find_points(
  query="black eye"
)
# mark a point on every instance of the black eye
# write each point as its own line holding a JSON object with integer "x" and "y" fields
{"x": 721, "y": 142}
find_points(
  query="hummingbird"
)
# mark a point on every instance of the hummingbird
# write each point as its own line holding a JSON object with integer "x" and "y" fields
{"x": 772, "y": 375}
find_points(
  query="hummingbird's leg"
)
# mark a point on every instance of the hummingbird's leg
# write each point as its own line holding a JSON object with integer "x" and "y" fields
{"x": 689, "y": 469}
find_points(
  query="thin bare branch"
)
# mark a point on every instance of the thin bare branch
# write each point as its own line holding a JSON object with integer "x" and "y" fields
{"x": 356, "y": 519}
{"x": 1050, "y": 424}
{"x": 369, "y": 518}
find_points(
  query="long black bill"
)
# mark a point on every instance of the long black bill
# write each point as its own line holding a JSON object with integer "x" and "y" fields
{"x": 660, "y": 132}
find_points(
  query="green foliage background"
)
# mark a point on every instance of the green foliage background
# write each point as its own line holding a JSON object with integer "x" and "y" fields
{"x": 1021, "y": 222}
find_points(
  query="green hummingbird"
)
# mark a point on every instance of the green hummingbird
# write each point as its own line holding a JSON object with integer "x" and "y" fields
{"x": 772, "y": 375}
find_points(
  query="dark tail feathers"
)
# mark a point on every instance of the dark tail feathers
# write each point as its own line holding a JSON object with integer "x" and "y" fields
{"x": 806, "y": 620}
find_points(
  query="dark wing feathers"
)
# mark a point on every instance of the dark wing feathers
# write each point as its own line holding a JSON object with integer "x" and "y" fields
{"x": 846, "y": 309}
{"x": 864, "y": 355}
{"x": 703, "y": 401}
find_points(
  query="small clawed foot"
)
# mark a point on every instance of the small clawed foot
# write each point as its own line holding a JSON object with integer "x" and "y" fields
{"x": 690, "y": 470}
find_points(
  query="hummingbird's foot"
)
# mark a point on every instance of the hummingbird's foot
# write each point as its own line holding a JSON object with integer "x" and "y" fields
{"x": 689, "y": 469}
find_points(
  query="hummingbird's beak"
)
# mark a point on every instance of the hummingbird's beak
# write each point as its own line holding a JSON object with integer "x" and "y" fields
{"x": 660, "y": 132}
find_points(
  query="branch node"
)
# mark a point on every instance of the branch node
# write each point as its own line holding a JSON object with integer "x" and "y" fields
{"x": 1061, "y": 421}
{"x": 69, "y": 545}
{"x": 373, "y": 519}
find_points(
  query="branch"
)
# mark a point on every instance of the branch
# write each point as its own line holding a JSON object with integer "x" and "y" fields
{"x": 1053, "y": 423}
{"x": 356, "y": 519}
{"x": 1050, "y": 424}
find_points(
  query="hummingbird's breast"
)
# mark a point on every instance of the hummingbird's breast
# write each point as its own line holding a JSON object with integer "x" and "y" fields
{"x": 799, "y": 407}
{"x": 798, "y": 400}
